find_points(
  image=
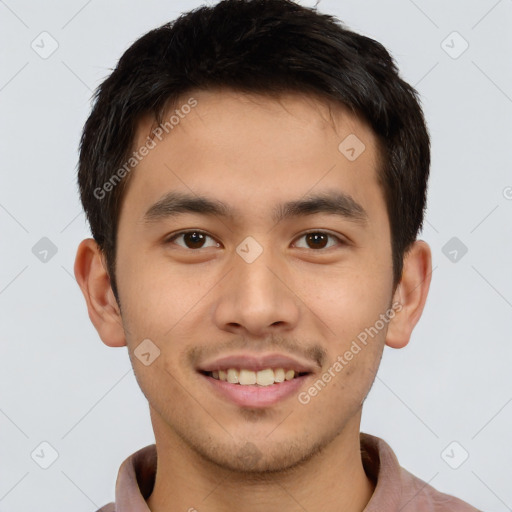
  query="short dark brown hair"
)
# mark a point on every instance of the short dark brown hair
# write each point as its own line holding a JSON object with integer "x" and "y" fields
{"x": 256, "y": 46}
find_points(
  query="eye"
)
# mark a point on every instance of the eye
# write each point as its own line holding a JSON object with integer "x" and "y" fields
{"x": 318, "y": 240}
{"x": 193, "y": 240}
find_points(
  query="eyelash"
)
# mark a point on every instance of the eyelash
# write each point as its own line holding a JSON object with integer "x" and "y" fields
{"x": 181, "y": 233}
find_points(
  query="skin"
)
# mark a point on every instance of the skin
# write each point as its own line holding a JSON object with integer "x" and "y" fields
{"x": 253, "y": 152}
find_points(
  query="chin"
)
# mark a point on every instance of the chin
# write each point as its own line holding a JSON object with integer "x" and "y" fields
{"x": 250, "y": 458}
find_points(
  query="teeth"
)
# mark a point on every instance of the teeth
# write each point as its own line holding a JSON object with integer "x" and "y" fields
{"x": 247, "y": 377}
{"x": 244, "y": 377}
{"x": 265, "y": 377}
{"x": 279, "y": 375}
{"x": 289, "y": 375}
{"x": 232, "y": 376}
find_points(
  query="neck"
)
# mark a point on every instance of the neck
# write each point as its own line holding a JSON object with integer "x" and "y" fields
{"x": 333, "y": 479}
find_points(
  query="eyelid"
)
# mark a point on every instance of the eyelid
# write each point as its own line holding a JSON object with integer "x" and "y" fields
{"x": 340, "y": 239}
{"x": 170, "y": 238}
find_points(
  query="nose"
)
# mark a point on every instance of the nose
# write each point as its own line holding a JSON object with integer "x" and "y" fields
{"x": 257, "y": 298}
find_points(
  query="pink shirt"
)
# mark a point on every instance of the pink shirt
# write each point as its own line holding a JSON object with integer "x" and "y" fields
{"x": 396, "y": 489}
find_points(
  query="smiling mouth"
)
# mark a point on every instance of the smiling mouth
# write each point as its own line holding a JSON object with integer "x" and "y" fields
{"x": 244, "y": 377}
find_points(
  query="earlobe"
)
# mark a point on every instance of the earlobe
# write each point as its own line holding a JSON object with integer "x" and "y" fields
{"x": 411, "y": 293}
{"x": 94, "y": 281}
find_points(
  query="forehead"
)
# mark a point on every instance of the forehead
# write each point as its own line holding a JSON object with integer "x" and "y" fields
{"x": 250, "y": 113}
{"x": 237, "y": 144}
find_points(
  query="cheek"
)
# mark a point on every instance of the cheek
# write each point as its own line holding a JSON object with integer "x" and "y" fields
{"x": 164, "y": 304}
{"x": 338, "y": 392}
{"x": 348, "y": 300}
{"x": 350, "y": 305}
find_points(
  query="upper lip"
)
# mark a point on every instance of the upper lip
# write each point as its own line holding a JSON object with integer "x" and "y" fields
{"x": 256, "y": 362}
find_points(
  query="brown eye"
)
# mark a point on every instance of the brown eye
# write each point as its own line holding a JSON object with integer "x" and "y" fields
{"x": 317, "y": 240}
{"x": 193, "y": 240}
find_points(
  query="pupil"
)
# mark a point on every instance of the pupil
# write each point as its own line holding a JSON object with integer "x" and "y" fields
{"x": 317, "y": 239}
{"x": 194, "y": 240}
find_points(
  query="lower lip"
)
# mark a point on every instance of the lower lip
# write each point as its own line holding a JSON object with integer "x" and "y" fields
{"x": 255, "y": 395}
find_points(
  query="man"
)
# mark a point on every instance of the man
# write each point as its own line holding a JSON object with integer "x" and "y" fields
{"x": 255, "y": 178}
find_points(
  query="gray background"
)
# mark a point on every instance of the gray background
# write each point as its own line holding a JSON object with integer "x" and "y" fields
{"x": 62, "y": 386}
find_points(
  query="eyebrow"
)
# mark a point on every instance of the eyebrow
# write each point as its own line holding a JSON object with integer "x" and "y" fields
{"x": 335, "y": 203}
{"x": 174, "y": 203}
{"x": 331, "y": 202}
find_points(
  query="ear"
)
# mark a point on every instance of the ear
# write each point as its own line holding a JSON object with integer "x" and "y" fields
{"x": 94, "y": 281}
{"x": 411, "y": 294}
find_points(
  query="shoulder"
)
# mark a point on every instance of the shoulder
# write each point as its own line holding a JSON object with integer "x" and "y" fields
{"x": 399, "y": 490}
{"x": 418, "y": 495}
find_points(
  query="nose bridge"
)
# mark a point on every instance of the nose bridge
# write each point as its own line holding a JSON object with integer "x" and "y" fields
{"x": 256, "y": 281}
{"x": 254, "y": 298}
{"x": 256, "y": 286}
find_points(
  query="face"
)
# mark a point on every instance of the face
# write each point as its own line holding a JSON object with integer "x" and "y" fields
{"x": 249, "y": 240}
